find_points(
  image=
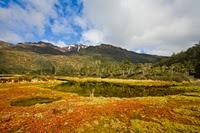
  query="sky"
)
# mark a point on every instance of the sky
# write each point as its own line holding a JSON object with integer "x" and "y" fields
{"x": 160, "y": 27}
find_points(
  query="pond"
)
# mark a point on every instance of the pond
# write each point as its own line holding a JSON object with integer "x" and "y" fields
{"x": 107, "y": 89}
{"x": 32, "y": 101}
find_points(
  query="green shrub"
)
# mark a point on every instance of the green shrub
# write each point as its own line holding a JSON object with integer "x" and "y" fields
{"x": 33, "y": 101}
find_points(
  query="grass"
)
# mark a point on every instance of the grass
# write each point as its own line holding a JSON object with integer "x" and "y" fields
{"x": 33, "y": 101}
{"x": 74, "y": 113}
{"x": 120, "y": 88}
{"x": 163, "y": 125}
{"x": 123, "y": 81}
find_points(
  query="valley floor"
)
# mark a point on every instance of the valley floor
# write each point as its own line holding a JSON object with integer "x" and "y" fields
{"x": 70, "y": 112}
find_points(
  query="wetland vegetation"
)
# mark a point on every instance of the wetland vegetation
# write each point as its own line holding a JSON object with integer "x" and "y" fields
{"x": 73, "y": 104}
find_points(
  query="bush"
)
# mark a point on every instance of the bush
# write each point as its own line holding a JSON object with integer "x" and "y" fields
{"x": 33, "y": 101}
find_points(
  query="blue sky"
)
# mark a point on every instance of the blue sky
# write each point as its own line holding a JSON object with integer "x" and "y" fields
{"x": 159, "y": 27}
{"x": 53, "y": 20}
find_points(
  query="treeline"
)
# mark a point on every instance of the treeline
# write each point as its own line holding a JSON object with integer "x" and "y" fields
{"x": 104, "y": 69}
{"x": 190, "y": 59}
{"x": 179, "y": 67}
{"x": 176, "y": 72}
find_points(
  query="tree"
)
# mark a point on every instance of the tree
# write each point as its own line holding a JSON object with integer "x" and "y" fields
{"x": 45, "y": 66}
{"x": 126, "y": 64}
{"x": 197, "y": 70}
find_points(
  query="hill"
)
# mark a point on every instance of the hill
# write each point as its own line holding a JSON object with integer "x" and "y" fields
{"x": 48, "y": 48}
{"x": 189, "y": 58}
{"x": 46, "y": 58}
{"x": 103, "y": 50}
{"x": 119, "y": 54}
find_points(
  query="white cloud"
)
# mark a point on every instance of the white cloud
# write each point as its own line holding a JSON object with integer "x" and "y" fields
{"x": 29, "y": 20}
{"x": 158, "y": 26}
{"x": 62, "y": 26}
{"x": 9, "y": 36}
{"x": 60, "y": 44}
{"x": 80, "y": 21}
{"x": 92, "y": 36}
{"x": 56, "y": 43}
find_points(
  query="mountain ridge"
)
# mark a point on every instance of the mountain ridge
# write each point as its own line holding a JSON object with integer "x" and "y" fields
{"x": 102, "y": 60}
{"x": 46, "y": 58}
{"x": 112, "y": 51}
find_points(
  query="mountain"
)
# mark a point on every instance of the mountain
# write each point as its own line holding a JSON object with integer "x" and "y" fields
{"x": 189, "y": 58}
{"x": 39, "y": 47}
{"x": 46, "y": 48}
{"x": 4, "y": 45}
{"x": 119, "y": 54}
{"x": 104, "y": 50}
{"x": 74, "y": 48}
{"x": 46, "y": 58}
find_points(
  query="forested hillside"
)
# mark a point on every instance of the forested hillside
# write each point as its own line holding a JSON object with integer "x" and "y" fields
{"x": 189, "y": 58}
{"x": 97, "y": 61}
{"x": 46, "y": 58}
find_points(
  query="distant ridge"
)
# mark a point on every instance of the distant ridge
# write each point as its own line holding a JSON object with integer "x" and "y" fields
{"x": 47, "y": 58}
{"x": 105, "y": 50}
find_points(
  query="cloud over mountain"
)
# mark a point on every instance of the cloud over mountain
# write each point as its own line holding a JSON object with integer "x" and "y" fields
{"x": 158, "y": 26}
{"x": 151, "y": 26}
